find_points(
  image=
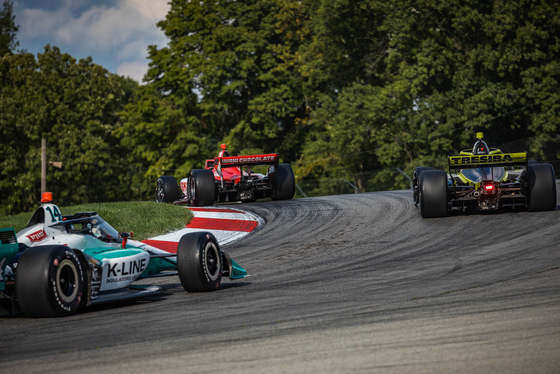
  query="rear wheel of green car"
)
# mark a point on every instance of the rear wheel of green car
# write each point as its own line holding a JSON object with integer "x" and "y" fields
{"x": 49, "y": 281}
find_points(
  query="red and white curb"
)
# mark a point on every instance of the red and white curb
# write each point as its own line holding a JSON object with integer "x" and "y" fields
{"x": 227, "y": 224}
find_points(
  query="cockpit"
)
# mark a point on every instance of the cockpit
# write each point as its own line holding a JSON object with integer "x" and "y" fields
{"x": 480, "y": 174}
{"x": 480, "y": 148}
{"x": 93, "y": 225}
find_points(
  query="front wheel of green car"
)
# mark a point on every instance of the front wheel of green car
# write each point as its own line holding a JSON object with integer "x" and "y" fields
{"x": 199, "y": 262}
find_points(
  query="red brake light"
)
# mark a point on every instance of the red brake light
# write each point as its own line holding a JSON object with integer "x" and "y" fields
{"x": 489, "y": 188}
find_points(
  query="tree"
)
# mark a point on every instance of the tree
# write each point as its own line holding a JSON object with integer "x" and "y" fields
{"x": 464, "y": 67}
{"x": 74, "y": 105}
{"x": 8, "y": 29}
{"x": 434, "y": 73}
{"x": 342, "y": 65}
{"x": 401, "y": 83}
{"x": 227, "y": 75}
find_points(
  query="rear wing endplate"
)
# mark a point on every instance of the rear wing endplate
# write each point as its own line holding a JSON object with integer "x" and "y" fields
{"x": 500, "y": 159}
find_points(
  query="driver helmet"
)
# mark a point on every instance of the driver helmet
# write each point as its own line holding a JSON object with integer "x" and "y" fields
{"x": 97, "y": 231}
{"x": 223, "y": 152}
{"x": 480, "y": 148}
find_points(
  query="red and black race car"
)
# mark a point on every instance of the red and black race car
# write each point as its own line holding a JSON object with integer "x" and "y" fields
{"x": 229, "y": 178}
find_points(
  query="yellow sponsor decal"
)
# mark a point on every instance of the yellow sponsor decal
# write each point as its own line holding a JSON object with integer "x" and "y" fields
{"x": 502, "y": 158}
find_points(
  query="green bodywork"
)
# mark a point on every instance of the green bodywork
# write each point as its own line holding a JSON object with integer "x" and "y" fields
{"x": 237, "y": 271}
{"x": 158, "y": 264}
{"x": 155, "y": 266}
{"x": 101, "y": 253}
{"x": 8, "y": 249}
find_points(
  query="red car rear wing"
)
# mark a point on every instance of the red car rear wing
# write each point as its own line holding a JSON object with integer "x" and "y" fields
{"x": 266, "y": 159}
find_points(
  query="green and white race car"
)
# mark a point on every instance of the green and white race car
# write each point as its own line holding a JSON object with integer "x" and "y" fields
{"x": 484, "y": 179}
{"x": 59, "y": 264}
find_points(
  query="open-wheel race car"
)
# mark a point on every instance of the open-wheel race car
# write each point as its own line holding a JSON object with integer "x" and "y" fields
{"x": 229, "y": 178}
{"x": 484, "y": 179}
{"x": 58, "y": 264}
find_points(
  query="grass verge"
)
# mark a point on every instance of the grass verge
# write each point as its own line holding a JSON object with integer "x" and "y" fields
{"x": 145, "y": 219}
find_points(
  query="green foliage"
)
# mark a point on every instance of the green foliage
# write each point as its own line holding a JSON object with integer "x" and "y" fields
{"x": 8, "y": 28}
{"x": 159, "y": 139}
{"x": 74, "y": 105}
{"x": 227, "y": 76}
{"x": 342, "y": 146}
{"x": 349, "y": 92}
{"x": 450, "y": 69}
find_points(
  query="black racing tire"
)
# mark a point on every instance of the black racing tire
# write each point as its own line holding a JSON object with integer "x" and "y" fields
{"x": 49, "y": 281}
{"x": 415, "y": 179}
{"x": 432, "y": 193}
{"x": 199, "y": 262}
{"x": 166, "y": 189}
{"x": 284, "y": 185}
{"x": 541, "y": 187}
{"x": 201, "y": 187}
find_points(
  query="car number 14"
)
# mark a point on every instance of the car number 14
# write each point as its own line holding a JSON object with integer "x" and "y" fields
{"x": 55, "y": 213}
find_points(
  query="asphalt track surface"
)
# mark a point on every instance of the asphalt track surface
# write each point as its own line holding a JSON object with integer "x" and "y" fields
{"x": 340, "y": 284}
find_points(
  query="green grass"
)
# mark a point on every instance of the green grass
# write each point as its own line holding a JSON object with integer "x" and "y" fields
{"x": 145, "y": 219}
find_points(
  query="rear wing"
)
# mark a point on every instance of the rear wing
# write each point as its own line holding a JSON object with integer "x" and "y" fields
{"x": 266, "y": 159}
{"x": 477, "y": 161}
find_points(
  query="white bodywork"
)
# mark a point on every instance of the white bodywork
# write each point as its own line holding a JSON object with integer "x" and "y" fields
{"x": 118, "y": 269}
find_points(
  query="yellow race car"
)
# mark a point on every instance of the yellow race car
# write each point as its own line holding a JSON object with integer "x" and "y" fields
{"x": 484, "y": 179}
